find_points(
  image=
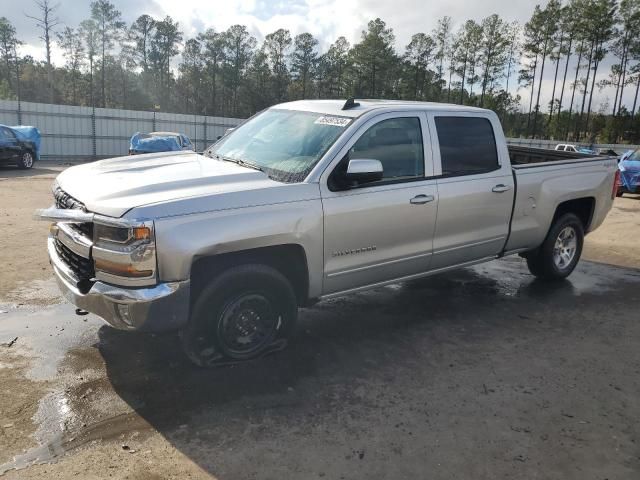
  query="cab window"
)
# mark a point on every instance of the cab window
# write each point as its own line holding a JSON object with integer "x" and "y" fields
{"x": 397, "y": 144}
{"x": 467, "y": 145}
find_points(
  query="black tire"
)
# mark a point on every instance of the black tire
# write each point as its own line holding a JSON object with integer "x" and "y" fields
{"x": 248, "y": 297}
{"x": 26, "y": 160}
{"x": 546, "y": 262}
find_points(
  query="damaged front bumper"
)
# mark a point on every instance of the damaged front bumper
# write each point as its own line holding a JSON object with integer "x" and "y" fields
{"x": 159, "y": 308}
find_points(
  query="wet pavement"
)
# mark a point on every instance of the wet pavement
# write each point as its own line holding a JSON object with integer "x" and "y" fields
{"x": 479, "y": 373}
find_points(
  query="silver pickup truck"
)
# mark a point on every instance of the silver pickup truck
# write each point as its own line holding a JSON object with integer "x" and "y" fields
{"x": 309, "y": 200}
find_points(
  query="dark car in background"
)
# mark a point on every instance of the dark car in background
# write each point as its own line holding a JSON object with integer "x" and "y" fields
{"x": 19, "y": 146}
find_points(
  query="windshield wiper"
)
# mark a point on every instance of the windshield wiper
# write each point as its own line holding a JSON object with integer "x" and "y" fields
{"x": 237, "y": 161}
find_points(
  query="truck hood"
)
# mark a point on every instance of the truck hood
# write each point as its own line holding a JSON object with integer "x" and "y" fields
{"x": 113, "y": 187}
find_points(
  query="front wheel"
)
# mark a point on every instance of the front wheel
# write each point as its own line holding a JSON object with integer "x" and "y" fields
{"x": 26, "y": 160}
{"x": 560, "y": 252}
{"x": 244, "y": 313}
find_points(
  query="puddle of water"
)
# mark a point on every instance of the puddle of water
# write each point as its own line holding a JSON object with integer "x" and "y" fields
{"x": 47, "y": 334}
{"x": 62, "y": 443}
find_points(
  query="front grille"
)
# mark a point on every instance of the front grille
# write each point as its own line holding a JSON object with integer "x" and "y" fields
{"x": 80, "y": 266}
{"x": 66, "y": 201}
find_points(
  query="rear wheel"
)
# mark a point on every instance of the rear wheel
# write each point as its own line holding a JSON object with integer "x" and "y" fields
{"x": 560, "y": 252}
{"x": 244, "y": 313}
{"x": 26, "y": 160}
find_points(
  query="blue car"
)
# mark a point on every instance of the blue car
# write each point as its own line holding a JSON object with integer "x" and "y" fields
{"x": 629, "y": 179}
{"x": 159, "y": 142}
{"x": 19, "y": 146}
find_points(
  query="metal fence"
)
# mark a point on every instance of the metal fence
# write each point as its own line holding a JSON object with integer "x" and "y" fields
{"x": 82, "y": 133}
{"x": 551, "y": 144}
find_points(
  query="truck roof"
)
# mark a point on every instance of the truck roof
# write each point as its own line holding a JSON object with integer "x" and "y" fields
{"x": 334, "y": 107}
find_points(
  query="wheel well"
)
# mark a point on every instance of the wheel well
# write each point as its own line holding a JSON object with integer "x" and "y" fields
{"x": 581, "y": 207}
{"x": 290, "y": 260}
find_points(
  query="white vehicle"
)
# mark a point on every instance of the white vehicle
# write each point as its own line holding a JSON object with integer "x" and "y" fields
{"x": 566, "y": 148}
{"x": 310, "y": 200}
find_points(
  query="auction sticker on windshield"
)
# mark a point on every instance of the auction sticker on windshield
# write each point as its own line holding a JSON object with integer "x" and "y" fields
{"x": 334, "y": 121}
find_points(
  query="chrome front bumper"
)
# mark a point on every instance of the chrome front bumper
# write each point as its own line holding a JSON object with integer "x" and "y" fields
{"x": 160, "y": 308}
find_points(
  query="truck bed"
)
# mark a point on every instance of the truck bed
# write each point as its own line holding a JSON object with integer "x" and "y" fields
{"x": 530, "y": 156}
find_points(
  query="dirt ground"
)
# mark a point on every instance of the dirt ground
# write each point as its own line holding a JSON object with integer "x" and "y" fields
{"x": 480, "y": 373}
{"x": 22, "y": 255}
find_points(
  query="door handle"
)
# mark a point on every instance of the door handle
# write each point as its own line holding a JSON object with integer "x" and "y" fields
{"x": 422, "y": 199}
{"x": 501, "y": 188}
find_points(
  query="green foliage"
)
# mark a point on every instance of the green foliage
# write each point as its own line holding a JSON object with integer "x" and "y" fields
{"x": 150, "y": 65}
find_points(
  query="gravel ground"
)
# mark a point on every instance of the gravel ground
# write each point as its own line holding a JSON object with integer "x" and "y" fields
{"x": 479, "y": 373}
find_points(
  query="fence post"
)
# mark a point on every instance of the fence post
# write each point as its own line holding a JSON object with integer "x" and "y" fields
{"x": 93, "y": 132}
{"x": 204, "y": 125}
{"x": 195, "y": 128}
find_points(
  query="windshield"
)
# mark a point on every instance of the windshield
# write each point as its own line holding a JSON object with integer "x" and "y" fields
{"x": 634, "y": 157}
{"x": 285, "y": 144}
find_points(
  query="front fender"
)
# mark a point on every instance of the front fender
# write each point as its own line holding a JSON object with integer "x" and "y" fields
{"x": 183, "y": 239}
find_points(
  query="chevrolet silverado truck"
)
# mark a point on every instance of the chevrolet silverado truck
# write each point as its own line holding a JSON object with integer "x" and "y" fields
{"x": 310, "y": 200}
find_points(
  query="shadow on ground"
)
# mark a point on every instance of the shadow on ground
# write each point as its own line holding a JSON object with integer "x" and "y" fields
{"x": 478, "y": 372}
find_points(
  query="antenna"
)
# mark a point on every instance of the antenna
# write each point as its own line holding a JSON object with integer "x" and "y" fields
{"x": 350, "y": 103}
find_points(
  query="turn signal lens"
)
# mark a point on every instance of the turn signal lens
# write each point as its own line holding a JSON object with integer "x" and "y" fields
{"x": 141, "y": 233}
{"x": 122, "y": 270}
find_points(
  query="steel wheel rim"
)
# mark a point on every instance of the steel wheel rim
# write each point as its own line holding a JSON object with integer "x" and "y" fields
{"x": 27, "y": 159}
{"x": 247, "y": 325}
{"x": 564, "y": 250}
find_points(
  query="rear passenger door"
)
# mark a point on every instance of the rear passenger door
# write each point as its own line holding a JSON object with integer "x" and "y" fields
{"x": 475, "y": 188}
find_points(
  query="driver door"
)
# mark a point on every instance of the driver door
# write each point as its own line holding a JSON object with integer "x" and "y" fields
{"x": 383, "y": 230}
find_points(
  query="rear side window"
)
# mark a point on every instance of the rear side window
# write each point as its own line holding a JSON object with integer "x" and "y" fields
{"x": 467, "y": 145}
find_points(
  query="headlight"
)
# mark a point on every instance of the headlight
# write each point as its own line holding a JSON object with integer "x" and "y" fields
{"x": 125, "y": 254}
{"x": 121, "y": 235}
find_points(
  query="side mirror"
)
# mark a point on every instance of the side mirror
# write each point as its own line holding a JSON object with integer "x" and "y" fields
{"x": 364, "y": 171}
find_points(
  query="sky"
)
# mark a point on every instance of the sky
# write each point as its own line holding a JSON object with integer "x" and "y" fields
{"x": 325, "y": 19}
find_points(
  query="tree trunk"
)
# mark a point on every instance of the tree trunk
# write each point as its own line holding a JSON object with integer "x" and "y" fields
{"x": 573, "y": 90}
{"x": 464, "y": 76}
{"x": 624, "y": 76}
{"x": 47, "y": 43}
{"x": 533, "y": 87}
{"x": 615, "y": 98}
{"x": 102, "y": 74}
{"x": 584, "y": 96}
{"x": 535, "y": 115}
{"x": 555, "y": 78}
{"x": 593, "y": 84}
{"x": 485, "y": 77}
{"x": 564, "y": 79}
{"x": 635, "y": 99}
{"x": 74, "y": 80}
{"x": 91, "y": 83}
